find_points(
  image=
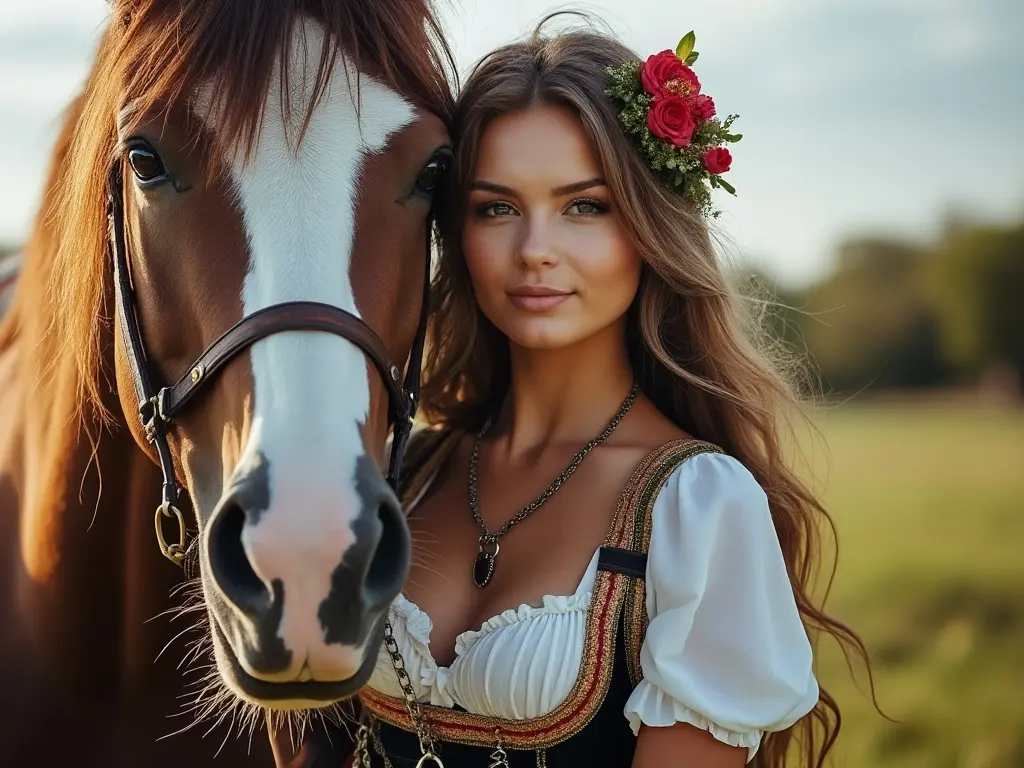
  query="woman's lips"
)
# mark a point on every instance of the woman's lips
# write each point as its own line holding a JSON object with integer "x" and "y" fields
{"x": 536, "y": 298}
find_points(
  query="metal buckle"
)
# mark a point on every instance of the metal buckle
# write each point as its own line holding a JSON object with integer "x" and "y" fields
{"x": 158, "y": 405}
{"x": 150, "y": 411}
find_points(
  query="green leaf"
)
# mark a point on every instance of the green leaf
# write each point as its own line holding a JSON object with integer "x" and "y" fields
{"x": 686, "y": 45}
{"x": 688, "y": 61}
{"x": 733, "y": 136}
{"x": 714, "y": 181}
{"x": 679, "y": 178}
{"x": 726, "y": 185}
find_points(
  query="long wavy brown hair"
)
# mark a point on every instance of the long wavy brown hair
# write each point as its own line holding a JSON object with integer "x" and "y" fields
{"x": 694, "y": 349}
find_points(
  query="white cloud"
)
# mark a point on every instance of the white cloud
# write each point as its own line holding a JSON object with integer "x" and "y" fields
{"x": 956, "y": 37}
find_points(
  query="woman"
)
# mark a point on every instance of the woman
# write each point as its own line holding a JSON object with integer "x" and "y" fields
{"x": 647, "y": 607}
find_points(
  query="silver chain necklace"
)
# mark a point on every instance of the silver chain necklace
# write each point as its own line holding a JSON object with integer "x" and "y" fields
{"x": 483, "y": 565}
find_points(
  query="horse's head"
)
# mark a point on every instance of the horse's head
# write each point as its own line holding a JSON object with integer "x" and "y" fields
{"x": 278, "y": 153}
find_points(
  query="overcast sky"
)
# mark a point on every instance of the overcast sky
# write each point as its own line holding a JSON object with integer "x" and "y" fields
{"x": 857, "y": 115}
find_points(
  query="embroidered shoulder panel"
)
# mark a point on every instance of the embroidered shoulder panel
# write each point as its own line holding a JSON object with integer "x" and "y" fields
{"x": 644, "y": 490}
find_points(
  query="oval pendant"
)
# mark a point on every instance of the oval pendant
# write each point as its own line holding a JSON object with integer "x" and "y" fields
{"x": 432, "y": 758}
{"x": 483, "y": 569}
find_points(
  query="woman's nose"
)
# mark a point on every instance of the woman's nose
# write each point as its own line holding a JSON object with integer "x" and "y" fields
{"x": 537, "y": 248}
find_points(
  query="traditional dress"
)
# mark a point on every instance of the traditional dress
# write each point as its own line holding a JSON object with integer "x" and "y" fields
{"x": 685, "y": 615}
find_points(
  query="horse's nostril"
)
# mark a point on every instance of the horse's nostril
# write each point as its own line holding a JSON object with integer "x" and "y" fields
{"x": 230, "y": 564}
{"x": 389, "y": 562}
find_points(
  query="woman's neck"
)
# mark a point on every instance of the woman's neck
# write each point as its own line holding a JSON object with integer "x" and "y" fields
{"x": 565, "y": 395}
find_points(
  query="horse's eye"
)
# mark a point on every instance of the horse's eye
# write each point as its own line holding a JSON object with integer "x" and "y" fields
{"x": 146, "y": 164}
{"x": 432, "y": 174}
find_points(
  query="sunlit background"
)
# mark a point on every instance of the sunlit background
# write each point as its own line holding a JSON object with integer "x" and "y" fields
{"x": 881, "y": 200}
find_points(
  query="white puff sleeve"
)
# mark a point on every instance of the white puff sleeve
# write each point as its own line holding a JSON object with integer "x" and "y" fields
{"x": 725, "y": 649}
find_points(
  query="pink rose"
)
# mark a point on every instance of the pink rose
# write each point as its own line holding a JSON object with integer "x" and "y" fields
{"x": 664, "y": 68}
{"x": 703, "y": 108}
{"x": 669, "y": 118}
{"x": 718, "y": 160}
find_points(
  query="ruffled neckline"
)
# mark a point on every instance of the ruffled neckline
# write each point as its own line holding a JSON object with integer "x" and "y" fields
{"x": 419, "y": 626}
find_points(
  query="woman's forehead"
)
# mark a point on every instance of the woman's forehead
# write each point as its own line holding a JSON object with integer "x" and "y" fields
{"x": 539, "y": 146}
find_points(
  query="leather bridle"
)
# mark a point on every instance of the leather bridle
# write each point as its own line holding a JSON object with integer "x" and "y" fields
{"x": 159, "y": 407}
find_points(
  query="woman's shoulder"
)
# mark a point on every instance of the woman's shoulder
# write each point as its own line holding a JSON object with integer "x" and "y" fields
{"x": 692, "y": 487}
{"x": 702, "y": 471}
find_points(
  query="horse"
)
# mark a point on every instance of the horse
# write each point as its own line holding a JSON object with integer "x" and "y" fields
{"x": 219, "y": 314}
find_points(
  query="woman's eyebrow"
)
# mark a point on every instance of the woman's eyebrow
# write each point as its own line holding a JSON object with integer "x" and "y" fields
{"x": 567, "y": 189}
{"x": 489, "y": 186}
{"x": 578, "y": 186}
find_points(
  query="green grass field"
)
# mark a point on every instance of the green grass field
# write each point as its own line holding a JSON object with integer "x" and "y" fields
{"x": 928, "y": 499}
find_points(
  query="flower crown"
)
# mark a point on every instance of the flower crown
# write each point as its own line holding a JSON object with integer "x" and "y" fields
{"x": 675, "y": 123}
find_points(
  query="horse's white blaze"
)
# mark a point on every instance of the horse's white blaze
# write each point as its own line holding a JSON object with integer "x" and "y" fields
{"x": 311, "y": 389}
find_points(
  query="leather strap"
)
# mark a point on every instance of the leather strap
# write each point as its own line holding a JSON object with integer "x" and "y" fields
{"x": 124, "y": 295}
{"x": 626, "y": 561}
{"x": 403, "y": 426}
{"x": 289, "y": 316}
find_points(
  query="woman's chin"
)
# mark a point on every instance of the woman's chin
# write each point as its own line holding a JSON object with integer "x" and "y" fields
{"x": 544, "y": 334}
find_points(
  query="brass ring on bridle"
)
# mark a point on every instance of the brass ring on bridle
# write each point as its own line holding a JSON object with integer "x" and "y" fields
{"x": 173, "y": 552}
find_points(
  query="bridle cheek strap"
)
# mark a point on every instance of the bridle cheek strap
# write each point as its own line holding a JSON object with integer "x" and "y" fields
{"x": 158, "y": 407}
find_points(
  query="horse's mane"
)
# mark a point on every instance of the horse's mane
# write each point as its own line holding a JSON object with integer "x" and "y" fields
{"x": 155, "y": 53}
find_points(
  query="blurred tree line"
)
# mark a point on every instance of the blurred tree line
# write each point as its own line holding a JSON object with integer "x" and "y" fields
{"x": 897, "y": 315}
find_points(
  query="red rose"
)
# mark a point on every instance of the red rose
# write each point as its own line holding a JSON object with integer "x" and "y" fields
{"x": 718, "y": 160}
{"x": 669, "y": 118}
{"x": 685, "y": 84}
{"x": 703, "y": 108}
{"x": 663, "y": 68}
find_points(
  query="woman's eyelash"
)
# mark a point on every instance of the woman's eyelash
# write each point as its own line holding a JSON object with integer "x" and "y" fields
{"x": 598, "y": 206}
{"x": 487, "y": 210}
{"x": 497, "y": 208}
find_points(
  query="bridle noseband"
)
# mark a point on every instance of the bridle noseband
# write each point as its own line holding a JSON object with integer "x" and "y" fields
{"x": 159, "y": 407}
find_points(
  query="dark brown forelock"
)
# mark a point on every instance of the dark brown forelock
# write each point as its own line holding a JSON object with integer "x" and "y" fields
{"x": 155, "y": 53}
{"x": 171, "y": 47}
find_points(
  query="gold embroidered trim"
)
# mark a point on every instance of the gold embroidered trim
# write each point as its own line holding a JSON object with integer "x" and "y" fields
{"x": 663, "y": 462}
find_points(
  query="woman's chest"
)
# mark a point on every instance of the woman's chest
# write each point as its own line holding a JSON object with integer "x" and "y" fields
{"x": 546, "y": 552}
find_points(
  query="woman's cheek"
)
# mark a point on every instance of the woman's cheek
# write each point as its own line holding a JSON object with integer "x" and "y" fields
{"x": 612, "y": 268}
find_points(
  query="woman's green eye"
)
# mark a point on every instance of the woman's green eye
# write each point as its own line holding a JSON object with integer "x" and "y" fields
{"x": 496, "y": 209}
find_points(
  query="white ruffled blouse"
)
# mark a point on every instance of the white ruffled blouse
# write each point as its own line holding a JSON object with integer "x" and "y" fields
{"x": 725, "y": 649}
